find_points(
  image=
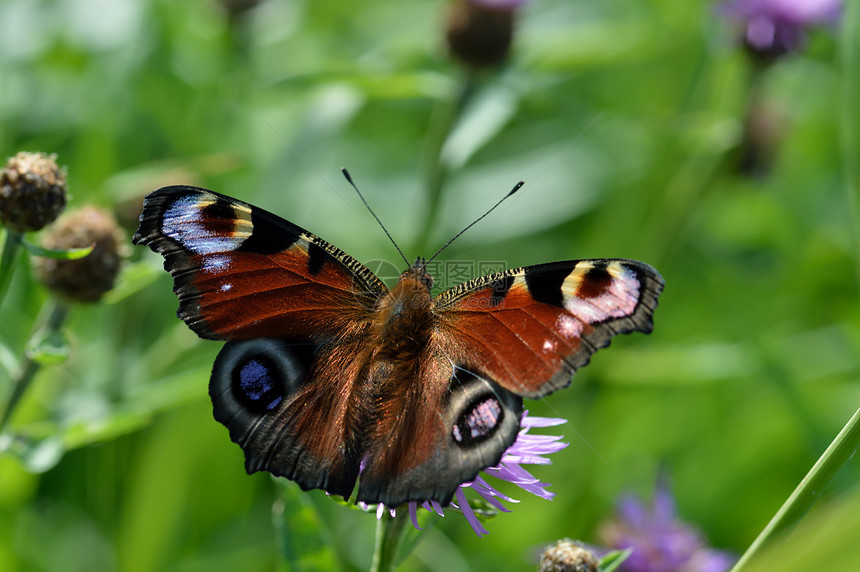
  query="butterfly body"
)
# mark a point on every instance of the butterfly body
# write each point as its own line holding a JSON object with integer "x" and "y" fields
{"x": 334, "y": 381}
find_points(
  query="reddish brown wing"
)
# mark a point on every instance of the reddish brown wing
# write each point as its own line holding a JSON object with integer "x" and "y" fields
{"x": 530, "y": 328}
{"x": 296, "y": 311}
{"x": 446, "y": 425}
{"x": 292, "y": 408}
{"x": 241, "y": 272}
{"x": 491, "y": 341}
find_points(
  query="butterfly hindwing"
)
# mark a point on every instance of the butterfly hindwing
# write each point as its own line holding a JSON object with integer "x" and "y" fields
{"x": 531, "y": 328}
{"x": 447, "y": 426}
{"x": 282, "y": 405}
{"x": 406, "y": 429}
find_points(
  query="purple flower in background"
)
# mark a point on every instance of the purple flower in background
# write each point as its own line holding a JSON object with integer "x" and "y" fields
{"x": 660, "y": 541}
{"x": 775, "y": 27}
{"x": 528, "y": 449}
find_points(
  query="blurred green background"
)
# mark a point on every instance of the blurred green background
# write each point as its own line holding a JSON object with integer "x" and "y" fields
{"x": 627, "y": 120}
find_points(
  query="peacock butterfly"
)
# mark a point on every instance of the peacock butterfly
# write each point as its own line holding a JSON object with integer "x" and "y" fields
{"x": 329, "y": 378}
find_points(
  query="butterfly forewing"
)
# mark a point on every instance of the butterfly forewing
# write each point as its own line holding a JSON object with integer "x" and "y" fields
{"x": 530, "y": 328}
{"x": 241, "y": 272}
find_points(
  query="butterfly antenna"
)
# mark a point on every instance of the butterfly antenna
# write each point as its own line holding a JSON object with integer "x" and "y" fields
{"x": 516, "y": 188}
{"x": 351, "y": 182}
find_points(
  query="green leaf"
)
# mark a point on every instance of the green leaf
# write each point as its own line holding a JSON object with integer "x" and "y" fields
{"x": 49, "y": 347}
{"x": 349, "y": 504}
{"x": 614, "y": 559}
{"x": 303, "y": 541}
{"x": 11, "y": 242}
{"x": 102, "y": 430}
{"x": 40, "y": 446}
{"x": 482, "y": 509}
{"x": 480, "y": 123}
{"x": 132, "y": 278}
{"x": 412, "y": 536}
{"x": 70, "y": 254}
{"x": 825, "y": 540}
{"x": 840, "y": 452}
{"x": 36, "y": 455}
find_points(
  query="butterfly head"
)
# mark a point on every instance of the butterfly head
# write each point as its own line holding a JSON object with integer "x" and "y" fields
{"x": 417, "y": 273}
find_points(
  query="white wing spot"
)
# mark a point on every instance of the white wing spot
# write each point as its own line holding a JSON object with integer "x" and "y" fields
{"x": 184, "y": 222}
{"x": 568, "y": 326}
{"x": 216, "y": 264}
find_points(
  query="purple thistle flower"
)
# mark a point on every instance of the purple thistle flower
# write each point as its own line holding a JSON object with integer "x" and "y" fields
{"x": 528, "y": 449}
{"x": 774, "y": 27}
{"x": 659, "y": 539}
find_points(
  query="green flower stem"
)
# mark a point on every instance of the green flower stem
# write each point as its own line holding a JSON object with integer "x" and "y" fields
{"x": 18, "y": 390}
{"x": 389, "y": 534}
{"x": 436, "y": 171}
{"x": 7, "y": 262}
{"x": 57, "y": 316}
{"x": 806, "y": 493}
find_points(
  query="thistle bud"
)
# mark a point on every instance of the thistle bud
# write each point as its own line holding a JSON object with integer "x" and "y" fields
{"x": 774, "y": 28}
{"x": 764, "y": 128}
{"x": 32, "y": 191}
{"x": 236, "y": 8}
{"x": 480, "y": 32}
{"x": 85, "y": 279}
{"x": 568, "y": 556}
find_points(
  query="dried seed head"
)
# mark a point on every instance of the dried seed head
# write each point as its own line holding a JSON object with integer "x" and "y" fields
{"x": 567, "y": 556}
{"x": 32, "y": 191}
{"x": 85, "y": 279}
